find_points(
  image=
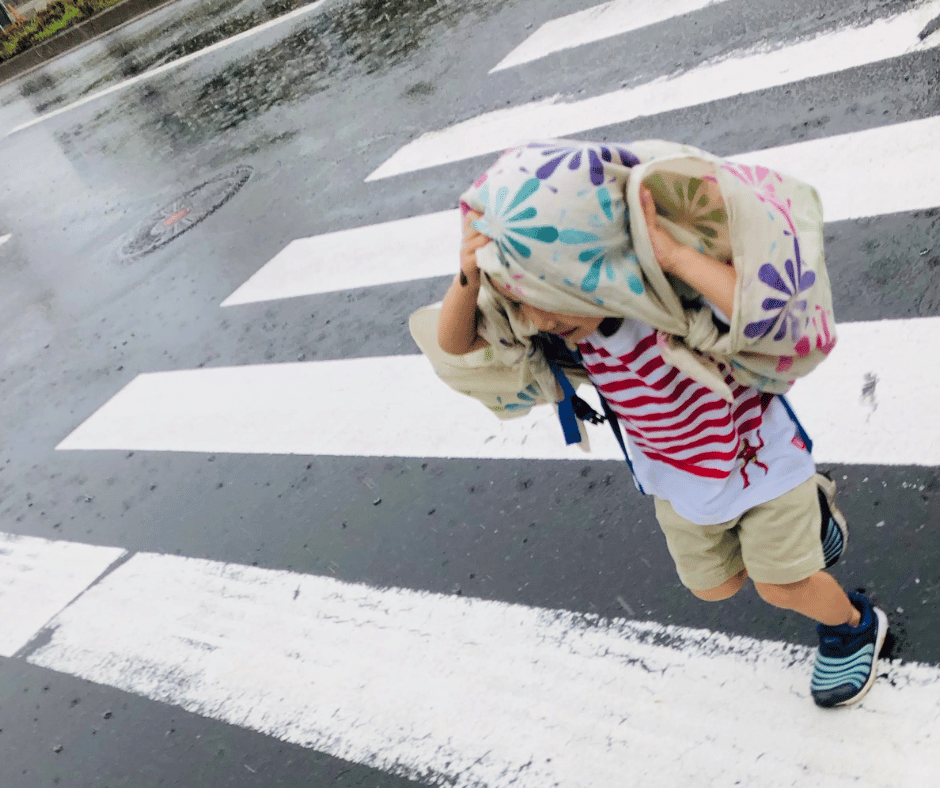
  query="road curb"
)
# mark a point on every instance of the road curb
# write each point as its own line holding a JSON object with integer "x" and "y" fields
{"x": 75, "y": 36}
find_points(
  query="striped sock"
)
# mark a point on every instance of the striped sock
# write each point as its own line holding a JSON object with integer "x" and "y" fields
{"x": 829, "y": 532}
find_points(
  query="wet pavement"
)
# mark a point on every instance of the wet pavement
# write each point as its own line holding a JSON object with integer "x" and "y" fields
{"x": 275, "y": 135}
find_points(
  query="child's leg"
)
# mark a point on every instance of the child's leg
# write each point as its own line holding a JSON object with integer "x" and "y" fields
{"x": 707, "y": 557}
{"x": 724, "y": 590}
{"x": 782, "y": 548}
{"x": 819, "y": 597}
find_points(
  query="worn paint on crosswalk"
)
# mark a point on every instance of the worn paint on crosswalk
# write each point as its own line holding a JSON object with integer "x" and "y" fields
{"x": 472, "y": 692}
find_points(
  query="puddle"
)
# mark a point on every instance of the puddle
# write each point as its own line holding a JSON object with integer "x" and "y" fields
{"x": 179, "y": 112}
{"x": 370, "y": 35}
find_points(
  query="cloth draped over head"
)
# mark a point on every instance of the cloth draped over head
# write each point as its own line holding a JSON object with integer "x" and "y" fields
{"x": 569, "y": 236}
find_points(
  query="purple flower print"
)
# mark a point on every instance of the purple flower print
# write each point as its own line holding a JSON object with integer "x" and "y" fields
{"x": 797, "y": 281}
{"x": 592, "y": 154}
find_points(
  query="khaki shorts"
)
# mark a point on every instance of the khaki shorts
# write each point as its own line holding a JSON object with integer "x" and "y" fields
{"x": 778, "y": 542}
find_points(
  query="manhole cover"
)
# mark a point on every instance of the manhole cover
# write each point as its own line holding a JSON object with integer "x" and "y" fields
{"x": 184, "y": 213}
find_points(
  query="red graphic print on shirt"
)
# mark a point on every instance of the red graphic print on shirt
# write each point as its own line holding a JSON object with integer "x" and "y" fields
{"x": 674, "y": 419}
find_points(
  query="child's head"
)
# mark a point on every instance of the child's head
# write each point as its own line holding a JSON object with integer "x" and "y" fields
{"x": 558, "y": 217}
{"x": 571, "y": 328}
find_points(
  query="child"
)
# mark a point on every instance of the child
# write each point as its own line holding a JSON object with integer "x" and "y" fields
{"x": 735, "y": 491}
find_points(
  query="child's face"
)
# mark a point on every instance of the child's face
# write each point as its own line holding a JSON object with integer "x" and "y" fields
{"x": 572, "y": 328}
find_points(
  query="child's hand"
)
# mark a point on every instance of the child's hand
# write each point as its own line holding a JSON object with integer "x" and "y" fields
{"x": 471, "y": 241}
{"x": 712, "y": 278}
{"x": 457, "y": 327}
{"x": 664, "y": 245}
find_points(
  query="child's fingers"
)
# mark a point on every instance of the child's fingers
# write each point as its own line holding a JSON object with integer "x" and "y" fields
{"x": 473, "y": 239}
{"x": 649, "y": 207}
{"x": 470, "y": 216}
{"x": 476, "y": 240}
{"x": 468, "y": 251}
{"x": 649, "y": 211}
{"x": 468, "y": 255}
{"x": 663, "y": 243}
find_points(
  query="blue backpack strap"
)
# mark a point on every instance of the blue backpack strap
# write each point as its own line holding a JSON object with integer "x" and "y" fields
{"x": 804, "y": 436}
{"x": 615, "y": 426}
{"x": 572, "y": 407}
{"x": 569, "y": 422}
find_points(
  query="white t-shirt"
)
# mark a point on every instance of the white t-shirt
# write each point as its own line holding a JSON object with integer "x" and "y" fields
{"x": 710, "y": 458}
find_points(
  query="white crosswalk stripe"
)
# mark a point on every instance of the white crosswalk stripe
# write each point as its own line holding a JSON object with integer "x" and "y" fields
{"x": 545, "y": 697}
{"x": 38, "y": 578}
{"x": 414, "y": 248}
{"x": 423, "y": 246}
{"x": 307, "y": 408}
{"x": 305, "y": 659}
{"x": 756, "y": 69}
{"x": 595, "y": 24}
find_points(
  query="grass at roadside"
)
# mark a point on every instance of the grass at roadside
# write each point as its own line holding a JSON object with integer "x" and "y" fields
{"x": 70, "y": 15}
{"x": 54, "y": 18}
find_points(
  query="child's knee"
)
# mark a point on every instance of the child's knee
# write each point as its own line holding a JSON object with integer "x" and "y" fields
{"x": 724, "y": 591}
{"x": 780, "y": 594}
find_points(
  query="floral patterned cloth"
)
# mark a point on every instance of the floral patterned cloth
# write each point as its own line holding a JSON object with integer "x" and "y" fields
{"x": 570, "y": 236}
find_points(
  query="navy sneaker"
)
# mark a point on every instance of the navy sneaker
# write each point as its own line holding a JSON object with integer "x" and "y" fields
{"x": 834, "y": 532}
{"x": 848, "y": 656}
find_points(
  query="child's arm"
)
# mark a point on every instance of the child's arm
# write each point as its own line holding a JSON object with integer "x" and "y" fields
{"x": 457, "y": 327}
{"x": 712, "y": 278}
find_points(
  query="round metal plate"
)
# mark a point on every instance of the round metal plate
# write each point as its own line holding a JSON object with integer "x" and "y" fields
{"x": 184, "y": 213}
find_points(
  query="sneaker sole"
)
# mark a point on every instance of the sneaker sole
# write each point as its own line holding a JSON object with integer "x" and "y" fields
{"x": 879, "y": 642}
{"x": 829, "y": 490}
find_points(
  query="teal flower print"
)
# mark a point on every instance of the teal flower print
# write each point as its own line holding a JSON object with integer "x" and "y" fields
{"x": 509, "y": 223}
{"x": 597, "y": 255}
{"x": 526, "y": 399}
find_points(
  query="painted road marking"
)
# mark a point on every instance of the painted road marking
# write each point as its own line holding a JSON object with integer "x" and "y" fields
{"x": 171, "y": 65}
{"x": 752, "y": 70}
{"x": 398, "y": 251}
{"x": 472, "y": 692}
{"x": 291, "y": 408}
{"x": 844, "y": 166}
{"x": 424, "y": 246}
{"x": 5, "y": 238}
{"x": 38, "y": 578}
{"x": 596, "y": 23}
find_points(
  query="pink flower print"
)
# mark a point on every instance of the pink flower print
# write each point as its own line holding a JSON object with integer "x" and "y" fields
{"x": 757, "y": 177}
{"x": 761, "y": 180}
{"x": 825, "y": 340}
{"x": 662, "y": 341}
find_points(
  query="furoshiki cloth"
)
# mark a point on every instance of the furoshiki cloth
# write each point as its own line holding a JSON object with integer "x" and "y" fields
{"x": 570, "y": 236}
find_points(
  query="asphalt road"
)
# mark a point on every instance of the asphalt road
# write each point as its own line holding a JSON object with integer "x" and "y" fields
{"x": 310, "y": 108}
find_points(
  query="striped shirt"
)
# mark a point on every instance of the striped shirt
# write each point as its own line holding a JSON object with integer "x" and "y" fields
{"x": 709, "y": 457}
